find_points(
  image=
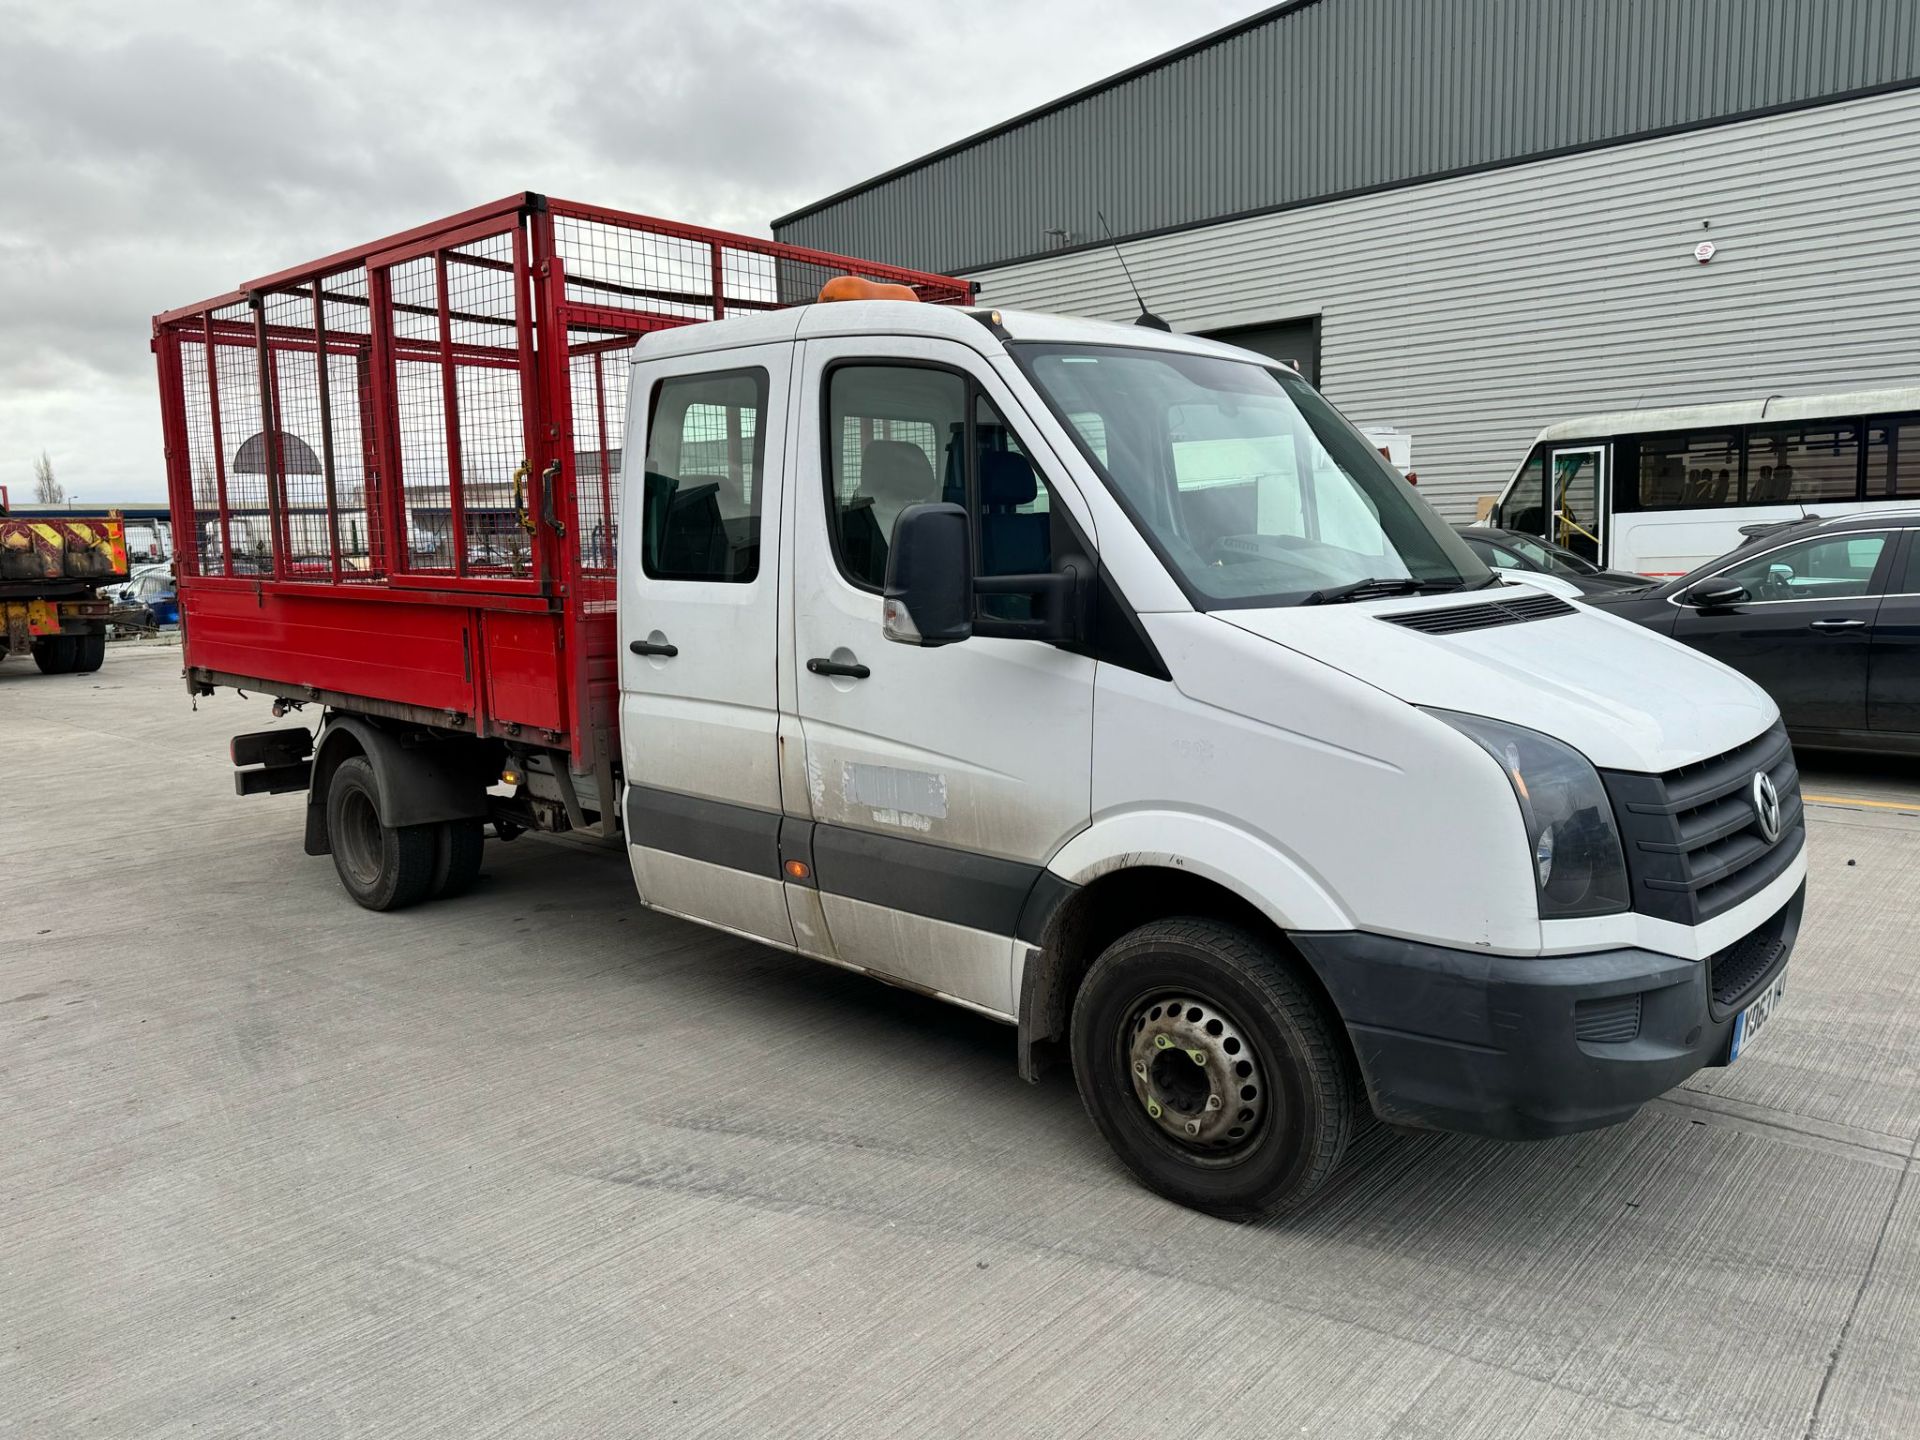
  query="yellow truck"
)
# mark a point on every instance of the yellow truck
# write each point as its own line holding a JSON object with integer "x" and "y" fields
{"x": 52, "y": 568}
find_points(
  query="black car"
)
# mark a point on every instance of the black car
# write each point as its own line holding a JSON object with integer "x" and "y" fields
{"x": 1515, "y": 550}
{"x": 1824, "y": 614}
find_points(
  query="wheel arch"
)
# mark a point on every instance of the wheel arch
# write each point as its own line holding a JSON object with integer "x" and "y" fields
{"x": 1195, "y": 865}
{"x": 419, "y": 780}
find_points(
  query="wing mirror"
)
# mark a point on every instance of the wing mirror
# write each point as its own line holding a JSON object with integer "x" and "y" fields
{"x": 931, "y": 595}
{"x": 1715, "y": 594}
{"x": 929, "y": 588}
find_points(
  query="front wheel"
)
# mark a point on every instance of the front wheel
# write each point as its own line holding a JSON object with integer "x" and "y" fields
{"x": 1216, "y": 1075}
{"x": 384, "y": 867}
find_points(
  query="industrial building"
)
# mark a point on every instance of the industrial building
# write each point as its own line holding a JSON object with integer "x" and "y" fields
{"x": 1467, "y": 219}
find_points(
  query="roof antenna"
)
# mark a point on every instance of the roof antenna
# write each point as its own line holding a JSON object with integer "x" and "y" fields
{"x": 1146, "y": 317}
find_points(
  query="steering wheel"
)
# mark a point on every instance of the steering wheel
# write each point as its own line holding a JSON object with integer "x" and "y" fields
{"x": 1777, "y": 586}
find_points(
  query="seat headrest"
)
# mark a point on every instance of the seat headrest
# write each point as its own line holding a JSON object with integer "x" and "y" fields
{"x": 897, "y": 470}
{"x": 1006, "y": 479}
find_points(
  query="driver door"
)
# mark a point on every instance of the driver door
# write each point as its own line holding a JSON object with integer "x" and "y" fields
{"x": 939, "y": 780}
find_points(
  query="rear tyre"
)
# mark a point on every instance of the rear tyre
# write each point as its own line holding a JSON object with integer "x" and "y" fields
{"x": 457, "y": 848}
{"x": 1217, "y": 1076}
{"x": 90, "y": 652}
{"x": 57, "y": 654}
{"x": 383, "y": 867}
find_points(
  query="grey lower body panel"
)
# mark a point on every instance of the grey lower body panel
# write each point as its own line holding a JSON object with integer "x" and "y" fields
{"x": 981, "y": 892}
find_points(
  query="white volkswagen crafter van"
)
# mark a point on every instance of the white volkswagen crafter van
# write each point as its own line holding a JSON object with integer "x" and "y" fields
{"x": 1108, "y": 682}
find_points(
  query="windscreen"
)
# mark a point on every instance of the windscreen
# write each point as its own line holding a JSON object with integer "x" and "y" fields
{"x": 1251, "y": 487}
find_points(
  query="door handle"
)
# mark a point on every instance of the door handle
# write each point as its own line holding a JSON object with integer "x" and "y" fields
{"x": 852, "y": 670}
{"x": 654, "y": 647}
{"x": 1828, "y": 626}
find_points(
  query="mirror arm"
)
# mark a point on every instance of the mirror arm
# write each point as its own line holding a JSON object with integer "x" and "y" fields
{"x": 1059, "y": 591}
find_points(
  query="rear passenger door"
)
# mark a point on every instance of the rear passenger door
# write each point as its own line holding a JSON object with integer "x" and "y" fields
{"x": 1893, "y": 684}
{"x": 699, "y": 589}
{"x": 939, "y": 780}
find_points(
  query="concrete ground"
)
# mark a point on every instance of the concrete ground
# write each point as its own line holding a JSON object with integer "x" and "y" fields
{"x": 538, "y": 1162}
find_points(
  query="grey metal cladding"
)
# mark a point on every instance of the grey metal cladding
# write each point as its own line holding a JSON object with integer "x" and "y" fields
{"x": 1319, "y": 98}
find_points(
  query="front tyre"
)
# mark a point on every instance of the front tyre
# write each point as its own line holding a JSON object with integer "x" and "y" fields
{"x": 1216, "y": 1075}
{"x": 384, "y": 867}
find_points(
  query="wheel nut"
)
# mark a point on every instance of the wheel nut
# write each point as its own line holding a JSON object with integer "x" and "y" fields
{"x": 1153, "y": 1108}
{"x": 1162, "y": 1042}
{"x": 1213, "y": 1102}
{"x": 1139, "y": 1067}
{"x": 1199, "y": 1057}
{"x": 1193, "y": 1127}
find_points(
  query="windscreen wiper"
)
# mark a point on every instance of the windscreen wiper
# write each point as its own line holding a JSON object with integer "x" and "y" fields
{"x": 1376, "y": 586}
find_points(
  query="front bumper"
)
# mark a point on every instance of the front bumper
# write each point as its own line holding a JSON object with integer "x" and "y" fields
{"x": 1521, "y": 1047}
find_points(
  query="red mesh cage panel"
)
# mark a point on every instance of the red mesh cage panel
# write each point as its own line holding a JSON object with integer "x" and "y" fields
{"x": 599, "y": 370}
{"x": 439, "y": 418}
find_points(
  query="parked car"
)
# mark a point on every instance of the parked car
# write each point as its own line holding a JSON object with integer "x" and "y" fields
{"x": 1825, "y": 615}
{"x": 1513, "y": 550}
{"x": 152, "y": 589}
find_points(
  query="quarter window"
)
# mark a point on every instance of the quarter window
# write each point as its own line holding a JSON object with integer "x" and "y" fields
{"x": 1837, "y": 567}
{"x": 706, "y": 454}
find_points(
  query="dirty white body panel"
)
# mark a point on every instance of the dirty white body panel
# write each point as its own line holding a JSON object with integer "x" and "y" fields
{"x": 1286, "y": 759}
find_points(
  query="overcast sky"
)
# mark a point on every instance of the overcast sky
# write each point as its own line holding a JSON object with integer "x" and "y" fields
{"x": 154, "y": 154}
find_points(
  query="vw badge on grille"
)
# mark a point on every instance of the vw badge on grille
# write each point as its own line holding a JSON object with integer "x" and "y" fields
{"x": 1766, "y": 806}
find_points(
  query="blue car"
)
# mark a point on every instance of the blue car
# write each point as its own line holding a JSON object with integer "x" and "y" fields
{"x": 152, "y": 589}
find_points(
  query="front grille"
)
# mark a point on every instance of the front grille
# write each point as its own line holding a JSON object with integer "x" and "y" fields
{"x": 1457, "y": 619}
{"x": 1693, "y": 841}
{"x": 1737, "y": 969}
{"x": 1612, "y": 1021}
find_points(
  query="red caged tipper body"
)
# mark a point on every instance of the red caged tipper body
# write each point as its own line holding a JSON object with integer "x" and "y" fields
{"x": 394, "y": 472}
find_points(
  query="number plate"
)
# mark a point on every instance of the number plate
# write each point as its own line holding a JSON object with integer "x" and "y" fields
{"x": 1747, "y": 1023}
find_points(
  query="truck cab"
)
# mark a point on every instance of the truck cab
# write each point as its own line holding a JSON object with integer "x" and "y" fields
{"x": 1109, "y": 683}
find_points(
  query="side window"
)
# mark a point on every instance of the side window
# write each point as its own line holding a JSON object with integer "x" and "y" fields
{"x": 1893, "y": 456}
{"x": 1687, "y": 470}
{"x": 894, "y": 435}
{"x": 1910, "y": 584}
{"x": 1013, "y": 514}
{"x": 1836, "y": 568}
{"x": 1815, "y": 461}
{"x": 706, "y": 459}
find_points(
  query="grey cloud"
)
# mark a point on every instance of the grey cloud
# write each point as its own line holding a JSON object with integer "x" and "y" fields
{"x": 158, "y": 154}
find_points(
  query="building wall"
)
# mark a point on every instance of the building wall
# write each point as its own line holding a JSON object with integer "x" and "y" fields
{"x": 1327, "y": 97}
{"x": 1474, "y": 311}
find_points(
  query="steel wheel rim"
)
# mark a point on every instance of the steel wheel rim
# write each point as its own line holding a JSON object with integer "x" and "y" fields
{"x": 359, "y": 843}
{"x": 1196, "y": 1073}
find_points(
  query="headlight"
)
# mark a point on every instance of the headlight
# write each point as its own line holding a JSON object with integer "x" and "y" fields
{"x": 1575, "y": 845}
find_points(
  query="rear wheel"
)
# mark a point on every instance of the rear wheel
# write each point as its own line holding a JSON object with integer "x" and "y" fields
{"x": 384, "y": 867}
{"x": 57, "y": 654}
{"x": 1215, "y": 1074}
{"x": 90, "y": 651}
{"x": 457, "y": 848}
